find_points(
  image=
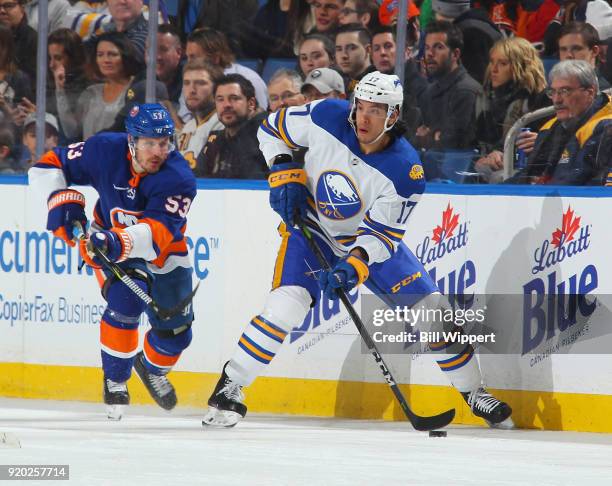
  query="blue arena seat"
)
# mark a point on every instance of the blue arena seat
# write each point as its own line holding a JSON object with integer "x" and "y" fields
{"x": 273, "y": 64}
{"x": 549, "y": 62}
{"x": 451, "y": 166}
{"x": 254, "y": 64}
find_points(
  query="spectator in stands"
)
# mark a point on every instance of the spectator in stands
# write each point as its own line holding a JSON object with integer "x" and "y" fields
{"x": 300, "y": 21}
{"x": 12, "y": 14}
{"x": 575, "y": 147}
{"x": 28, "y": 137}
{"x": 315, "y": 51}
{"x": 514, "y": 85}
{"x": 212, "y": 46}
{"x": 234, "y": 151}
{"x": 479, "y": 33}
{"x": 8, "y": 164}
{"x": 56, "y": 13}
{"x": 126, "y": 16}
{"x": 67, "y": 68}
{"x": 284, "y": 89}
{"x": 578, "y": 40}
{"x": 323, "y": 83}
{"x": 364, "y": 12}
{"x": 448, "y": 102}
{"x": 599, "y": 15}
{"x": 98, "y": 106}
{"x": 353, "y": 47}
{"x": 199, "y": 81}
{"x": 169, "y": 65}
{"x": 15, "y": 85}
{"x": 383, "y": 58}
{"x": 326, "y": 16}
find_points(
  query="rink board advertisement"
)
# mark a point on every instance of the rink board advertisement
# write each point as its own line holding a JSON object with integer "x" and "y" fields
{"x": 511, "y": 253}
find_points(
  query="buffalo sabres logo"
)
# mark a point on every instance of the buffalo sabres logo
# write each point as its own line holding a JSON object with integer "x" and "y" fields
{"x": 337, "y": 196}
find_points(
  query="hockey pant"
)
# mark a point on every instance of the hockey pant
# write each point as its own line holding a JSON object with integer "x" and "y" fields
{"x": 402, "y": 278}
{"x": 119, "y": 337}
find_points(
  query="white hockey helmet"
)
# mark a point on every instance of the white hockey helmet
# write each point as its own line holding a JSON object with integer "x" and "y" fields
{"x": 379, "y": 88}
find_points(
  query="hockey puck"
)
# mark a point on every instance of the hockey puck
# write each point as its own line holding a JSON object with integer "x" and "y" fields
{"x": 437, "y": 433}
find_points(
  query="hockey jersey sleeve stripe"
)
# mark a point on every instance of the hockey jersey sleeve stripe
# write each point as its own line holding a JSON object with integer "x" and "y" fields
{"x": 117, "y": 339}
{"x": 389, "y": 231}
{"x": 281, "y": 126}
{"x": 162, "y": 237}
{"x": 49, "y": 160}
{"x": 265, "y": 126}
{"x": 158, "y": 359}
{"x": 364, "y": 231}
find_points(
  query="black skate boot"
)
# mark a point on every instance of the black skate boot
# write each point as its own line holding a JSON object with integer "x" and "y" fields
{"x": 495, "y": 412}
{"x": 158, "y": 386}
{"x": 225, "y": 407}
{"x": 116, "y": 398}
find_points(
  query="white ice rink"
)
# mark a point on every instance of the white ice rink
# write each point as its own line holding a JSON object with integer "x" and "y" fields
{"x": 150, "y": 447}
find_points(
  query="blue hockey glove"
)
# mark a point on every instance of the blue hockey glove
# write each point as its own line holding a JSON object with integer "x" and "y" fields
{"x": 347, "y": 273}
{"x": 66, "y": 207}
{"x": 288, "y": 192}
{"x": 116, "y": 244}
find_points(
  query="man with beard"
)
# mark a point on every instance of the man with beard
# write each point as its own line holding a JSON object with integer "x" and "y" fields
{"x": 233, "y": 152}
{"x": 447, "y": 105}
{"x": 574, "y": 147}
{"x": 199, "y": 79}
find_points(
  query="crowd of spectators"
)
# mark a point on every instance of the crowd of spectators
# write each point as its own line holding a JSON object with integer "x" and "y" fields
{"x": 472, "y": 69}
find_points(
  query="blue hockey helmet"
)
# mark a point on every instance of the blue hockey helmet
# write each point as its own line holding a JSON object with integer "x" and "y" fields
{"x": 149, "y": 120}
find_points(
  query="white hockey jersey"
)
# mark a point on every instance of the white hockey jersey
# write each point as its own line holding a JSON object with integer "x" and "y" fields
{"x": 193, "y": 136}
{"x": 357, "y": 199}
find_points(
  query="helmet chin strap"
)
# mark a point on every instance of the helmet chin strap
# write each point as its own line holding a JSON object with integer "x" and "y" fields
{"x": 385, "y": 129}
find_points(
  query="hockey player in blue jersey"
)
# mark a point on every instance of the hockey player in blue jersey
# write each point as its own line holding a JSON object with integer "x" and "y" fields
{"x": 360, "y": 181}
{"x": 145, "y": 189}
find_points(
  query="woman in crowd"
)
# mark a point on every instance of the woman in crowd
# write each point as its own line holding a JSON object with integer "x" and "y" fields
{"x": 315, "y": 51}
{"x": 15, "y": 85}
{"x": 514, "y": 85}
{"x": 67, "y": 68}
{"x": 97, "y": 107}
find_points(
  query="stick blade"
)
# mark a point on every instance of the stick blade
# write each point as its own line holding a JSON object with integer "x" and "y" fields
{"x": 434, "y": 422}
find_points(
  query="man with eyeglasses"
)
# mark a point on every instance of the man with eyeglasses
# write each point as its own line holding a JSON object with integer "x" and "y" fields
{"x": 574, "y": 147}
{"x": 358, "y": 12}
{"x": 145, "y": 189}
{"x": 284, "y": 89}
{"x": 12, "y": 14}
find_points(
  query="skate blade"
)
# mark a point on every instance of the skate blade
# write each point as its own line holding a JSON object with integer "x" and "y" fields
{"x": 220, "y": 418}
{"x": 9, "y": 441}
{"x": 114, "y": 412}
{"x": 507, "y": 424}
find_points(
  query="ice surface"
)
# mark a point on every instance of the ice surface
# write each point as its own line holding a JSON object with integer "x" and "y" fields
{"x": 151, "y": 447}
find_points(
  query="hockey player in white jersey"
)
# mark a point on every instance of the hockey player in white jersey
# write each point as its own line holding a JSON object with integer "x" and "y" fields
{"x": 360, "y": 181}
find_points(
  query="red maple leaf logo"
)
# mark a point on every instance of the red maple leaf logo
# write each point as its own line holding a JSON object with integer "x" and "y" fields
{"x": 569, "y": 226}
{"x": 449, "y": 222}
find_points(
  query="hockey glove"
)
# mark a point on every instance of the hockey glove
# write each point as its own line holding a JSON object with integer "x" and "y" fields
{"x": 347, "y": 273}
{"x": 66, "y": 207}
{"x": 116, "y": 244}
{"x": 288, "y": 193}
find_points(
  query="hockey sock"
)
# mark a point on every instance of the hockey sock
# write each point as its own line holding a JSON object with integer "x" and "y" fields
{"x": 258, "y": 344}
{"x": 162, "y": 349}
{"x": 459, "y": 364}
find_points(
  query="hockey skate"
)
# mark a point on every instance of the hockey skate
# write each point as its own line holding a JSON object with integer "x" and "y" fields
{"x": 116, "y": 398}
{"x": 495, "y": 412}
{"x": 158, "y": 386}
{"x": 225, "y": 407}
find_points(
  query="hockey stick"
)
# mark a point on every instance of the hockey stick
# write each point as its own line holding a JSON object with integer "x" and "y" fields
{"x": 418, "y": 422}
{"x": 163, "y": 314}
